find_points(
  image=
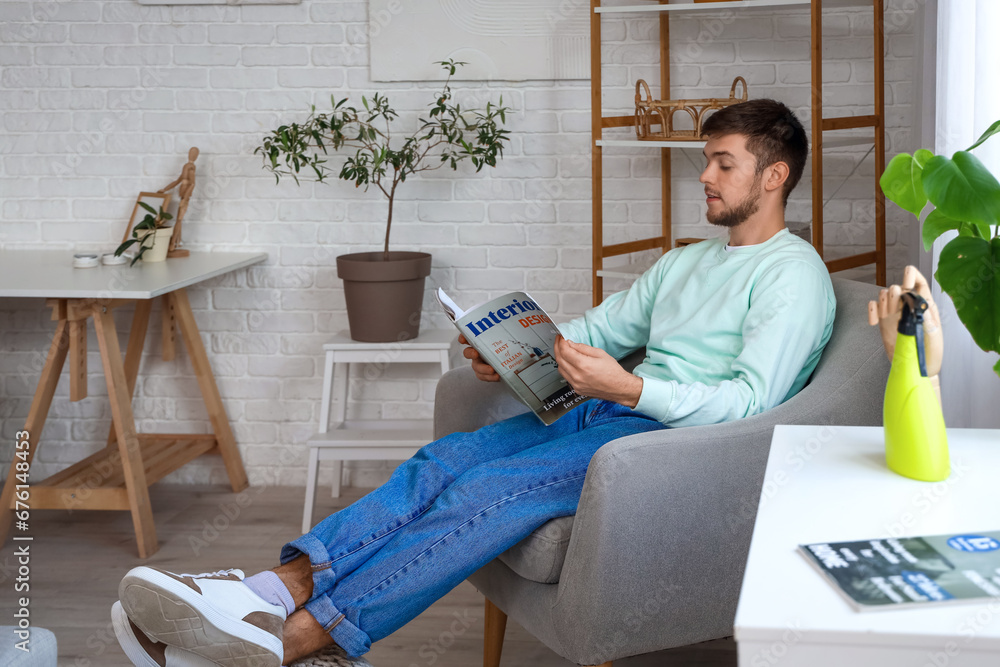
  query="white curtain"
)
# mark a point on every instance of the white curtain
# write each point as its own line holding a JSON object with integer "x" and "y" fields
{"x": 968, "y": 102}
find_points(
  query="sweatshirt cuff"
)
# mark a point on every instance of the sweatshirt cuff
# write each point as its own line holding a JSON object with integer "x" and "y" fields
{"x": 655, "y": 399}
{"x": 570, "y": 332}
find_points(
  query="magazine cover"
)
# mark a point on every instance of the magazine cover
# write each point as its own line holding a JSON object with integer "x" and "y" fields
{"x": 514, "y": 335}
{"x": 891, "y": 573}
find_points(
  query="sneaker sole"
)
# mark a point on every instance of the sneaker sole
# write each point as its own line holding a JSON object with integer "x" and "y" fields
{"x": 127, "y": 640}
{"x": 172, "y": 613}
{"x": 133, "y": 649}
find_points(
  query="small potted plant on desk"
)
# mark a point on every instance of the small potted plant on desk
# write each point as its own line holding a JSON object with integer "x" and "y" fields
{"x": 966, "y": 198}
{"x": 384, "y": 290}
{"x": 152, "y": 234}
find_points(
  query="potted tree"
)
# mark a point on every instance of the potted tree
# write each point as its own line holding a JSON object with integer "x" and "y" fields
{"x": 966, "y": 197}
{"x": 384, "y": 290}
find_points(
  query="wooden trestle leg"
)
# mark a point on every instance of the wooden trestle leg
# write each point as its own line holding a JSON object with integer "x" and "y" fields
{"x": 133, "y": 353}
{"x": 128, "y": 440}
{"x": 39, "y": 410}
{"x": 209, "y": 390}
{"x": 118, "y": 476}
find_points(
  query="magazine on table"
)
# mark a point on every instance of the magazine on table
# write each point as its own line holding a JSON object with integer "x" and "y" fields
{"x": 516, "y": 337}
{"x": 893, "y": 573}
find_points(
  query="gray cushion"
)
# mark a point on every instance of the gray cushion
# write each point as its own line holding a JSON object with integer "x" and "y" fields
{"x": 539, "y": 557}
{"x": 44, "y": 649}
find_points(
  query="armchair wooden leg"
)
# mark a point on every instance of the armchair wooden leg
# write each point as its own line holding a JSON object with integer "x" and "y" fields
{"x": 495, "y": 625}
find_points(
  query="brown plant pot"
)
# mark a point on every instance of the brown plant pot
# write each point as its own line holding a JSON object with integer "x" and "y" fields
{"x": 384, "y": 297}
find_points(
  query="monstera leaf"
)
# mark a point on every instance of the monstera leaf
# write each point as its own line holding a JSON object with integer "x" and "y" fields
{"x": 966, "y": 197}
{"x": 902, "y": 182}
{"x": 969, "y": 272}
{"x": 935, "y": 224}
{"x": 993, "y": 129}
{"x": 962, "y": 188}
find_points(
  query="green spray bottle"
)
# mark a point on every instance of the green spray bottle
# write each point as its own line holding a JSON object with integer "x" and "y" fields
{"x": 916, "y": 443}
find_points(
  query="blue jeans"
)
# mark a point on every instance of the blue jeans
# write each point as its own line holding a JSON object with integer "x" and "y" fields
{"x": 456, "y": 505}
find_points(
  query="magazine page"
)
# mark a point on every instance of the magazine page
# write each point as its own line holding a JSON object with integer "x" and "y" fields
{"x": 891, "y": 573}
{"x": 514, "y": 335}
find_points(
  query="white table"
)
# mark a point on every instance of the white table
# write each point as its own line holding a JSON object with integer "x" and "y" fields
{"x": 830, "y": 483}
{"x": 368, "y": 440}
{"x": 118, "y": 476}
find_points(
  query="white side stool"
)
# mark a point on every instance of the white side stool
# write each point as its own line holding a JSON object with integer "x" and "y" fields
{"x": 368, "y": 440}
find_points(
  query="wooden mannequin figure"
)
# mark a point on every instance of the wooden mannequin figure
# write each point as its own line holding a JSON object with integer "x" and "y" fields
{"x": 186, "y": 183}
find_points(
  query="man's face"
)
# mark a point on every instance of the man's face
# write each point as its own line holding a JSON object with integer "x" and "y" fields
{"x": 732, "y": 184}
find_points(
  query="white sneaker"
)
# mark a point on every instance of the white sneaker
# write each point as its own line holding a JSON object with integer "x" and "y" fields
{"x": 214, "y": 615}
{"x": 145, "y": 652}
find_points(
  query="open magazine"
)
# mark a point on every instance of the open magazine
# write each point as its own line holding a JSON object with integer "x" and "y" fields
{"x": 514, "y": 335}
{"x": 911, "y": 571}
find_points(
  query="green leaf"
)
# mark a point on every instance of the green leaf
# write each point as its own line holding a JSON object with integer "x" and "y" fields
{"x": 123, "y": 247}
{"x": 922, "y": 155}
{"x": 971, "y": 229}
{"x": 969, "y": 272}
{"x": 993, "y": 129}
{"x": 936, "y": 224}
{"x": 996, "y": 369}
{"x": 963, "y": 188}
{"x": 147, "y": 207}
{"x": 901, "y": 183}
{"x": 149, "y": 222}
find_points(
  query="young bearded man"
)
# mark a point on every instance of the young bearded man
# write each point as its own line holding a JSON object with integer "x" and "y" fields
{"x": 730, "y": 330}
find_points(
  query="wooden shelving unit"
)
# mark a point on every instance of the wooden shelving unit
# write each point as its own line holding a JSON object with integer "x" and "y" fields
{"x": 661, "y": 11}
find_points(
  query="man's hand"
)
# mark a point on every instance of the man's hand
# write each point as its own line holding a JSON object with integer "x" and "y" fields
{"x": 593, "y": 372}
{"x": 889, "y": 308}
{"x": 482, "y": 369}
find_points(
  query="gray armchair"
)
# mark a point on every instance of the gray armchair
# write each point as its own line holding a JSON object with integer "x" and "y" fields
{"x": 654, "y": 557}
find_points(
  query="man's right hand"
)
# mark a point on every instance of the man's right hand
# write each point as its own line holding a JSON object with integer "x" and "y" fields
{"x": 482, "y": 369}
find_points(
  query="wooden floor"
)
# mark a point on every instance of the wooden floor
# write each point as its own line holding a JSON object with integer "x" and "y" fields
{"x": 78, "y": 558}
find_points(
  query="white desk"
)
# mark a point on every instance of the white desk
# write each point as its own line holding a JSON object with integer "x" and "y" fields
{"x": 366, "y": 440}
{"x": 49, "y": 274}
{"x": 830, "y": 483}
{"x": 117, "y": 477}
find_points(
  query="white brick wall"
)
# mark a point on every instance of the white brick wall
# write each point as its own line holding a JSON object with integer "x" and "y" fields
{"x": 102, "y": 98}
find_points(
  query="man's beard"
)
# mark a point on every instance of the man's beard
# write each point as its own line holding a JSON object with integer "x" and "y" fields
{"x": 737, "y": 215}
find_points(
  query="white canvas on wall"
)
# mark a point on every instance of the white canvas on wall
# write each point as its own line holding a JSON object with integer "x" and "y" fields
{"x": 509, "y": 40}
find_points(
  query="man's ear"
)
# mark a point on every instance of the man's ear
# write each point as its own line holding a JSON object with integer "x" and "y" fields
{"x": 775, "y": 176}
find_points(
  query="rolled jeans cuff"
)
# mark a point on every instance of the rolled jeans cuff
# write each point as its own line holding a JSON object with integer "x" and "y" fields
{"x": 319, "y": 558}
{"x": 347, "y": 635}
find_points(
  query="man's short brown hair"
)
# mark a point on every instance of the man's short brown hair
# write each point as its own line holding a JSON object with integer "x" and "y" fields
{"x": 773, "y": 135}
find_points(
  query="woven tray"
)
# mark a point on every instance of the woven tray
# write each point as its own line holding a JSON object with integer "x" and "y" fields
{"x": 649, "y": 112}
{"x": 331, "y": 656}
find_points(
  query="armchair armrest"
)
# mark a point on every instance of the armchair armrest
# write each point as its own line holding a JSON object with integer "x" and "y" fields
{"x": 660, "y": 539}
{"x": 464, "y": 403}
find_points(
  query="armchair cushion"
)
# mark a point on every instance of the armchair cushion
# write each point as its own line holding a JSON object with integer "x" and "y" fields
{"x": 539, "y": 557}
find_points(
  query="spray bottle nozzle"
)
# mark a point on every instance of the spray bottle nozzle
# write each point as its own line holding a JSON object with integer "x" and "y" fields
{"x": 911, "y": 323}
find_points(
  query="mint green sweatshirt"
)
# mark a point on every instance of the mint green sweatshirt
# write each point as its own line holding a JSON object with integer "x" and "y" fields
{"x": 728, "y": 333}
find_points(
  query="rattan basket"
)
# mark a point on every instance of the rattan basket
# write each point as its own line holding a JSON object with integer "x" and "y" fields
{"x": 650, "y": 112}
